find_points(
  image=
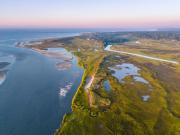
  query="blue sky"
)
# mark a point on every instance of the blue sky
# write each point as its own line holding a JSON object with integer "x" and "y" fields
{"x": 90, "y": 13}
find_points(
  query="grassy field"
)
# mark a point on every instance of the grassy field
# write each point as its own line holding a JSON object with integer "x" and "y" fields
{"x": 128, "y": 114}
{"x": 165, "y": 49}
{"x": 122, "y": 110}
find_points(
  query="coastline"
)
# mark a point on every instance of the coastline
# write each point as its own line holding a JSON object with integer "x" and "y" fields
{"x": 28, "y": 45}
{"x": 77, "y": 45}
{"x": 94, "y": 108}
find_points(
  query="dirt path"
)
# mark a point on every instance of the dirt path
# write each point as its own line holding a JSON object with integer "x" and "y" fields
{"x": 108, "y": 48}
{"x": 88, "y": 85}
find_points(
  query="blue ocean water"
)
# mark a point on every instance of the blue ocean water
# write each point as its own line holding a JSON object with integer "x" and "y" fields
{"x": 9, "y": 37}
{"x": 30, "y": 103}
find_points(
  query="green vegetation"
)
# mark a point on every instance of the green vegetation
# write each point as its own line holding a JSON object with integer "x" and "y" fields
{"x": 122, "y": 110}
{"x": 165, "y": 49}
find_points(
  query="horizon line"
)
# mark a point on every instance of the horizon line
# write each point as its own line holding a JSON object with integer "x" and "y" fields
{"x": 115, "y": 29}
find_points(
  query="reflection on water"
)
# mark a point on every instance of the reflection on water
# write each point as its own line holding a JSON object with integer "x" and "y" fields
{"x": 145, "y": 98}
{"x": 127, "y": 69}
{"x": 2, "y": 77}
{"x": 3, "y": 65}
{"x": 63, "y": 91}
{"x": 123, "y": 70}
{"x": 7, "y": 58}
{"x": 30, "y": 103}
{"x": 59, "y": 50}
{"x": 62, "y": 57}
{"x": 6, "y": 61}
{"x": 29, "y": 94}
{"x": 107, "y": 85}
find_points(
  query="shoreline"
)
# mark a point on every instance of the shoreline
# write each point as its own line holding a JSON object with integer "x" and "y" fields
{"x": 46, "y": 44}
{"x": 41, "y": 51}
{"x": 80, "y": 100}
{"x": 91, "y": 103}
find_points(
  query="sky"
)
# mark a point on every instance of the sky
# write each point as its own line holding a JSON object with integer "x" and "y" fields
{"x": 90, "y": 13}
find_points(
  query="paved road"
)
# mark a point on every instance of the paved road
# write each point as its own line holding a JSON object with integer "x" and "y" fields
{"x": 108, "y": 48}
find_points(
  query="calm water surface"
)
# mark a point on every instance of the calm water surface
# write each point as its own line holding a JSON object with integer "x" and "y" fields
{"x": 30, "y": 103}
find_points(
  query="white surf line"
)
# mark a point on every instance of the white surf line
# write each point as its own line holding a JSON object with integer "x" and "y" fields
{"x": 108, "y": 48}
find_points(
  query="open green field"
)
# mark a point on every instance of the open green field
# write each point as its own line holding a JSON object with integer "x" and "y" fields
{"x": 148, "y": 106}
{"x": 168, "y": 49}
